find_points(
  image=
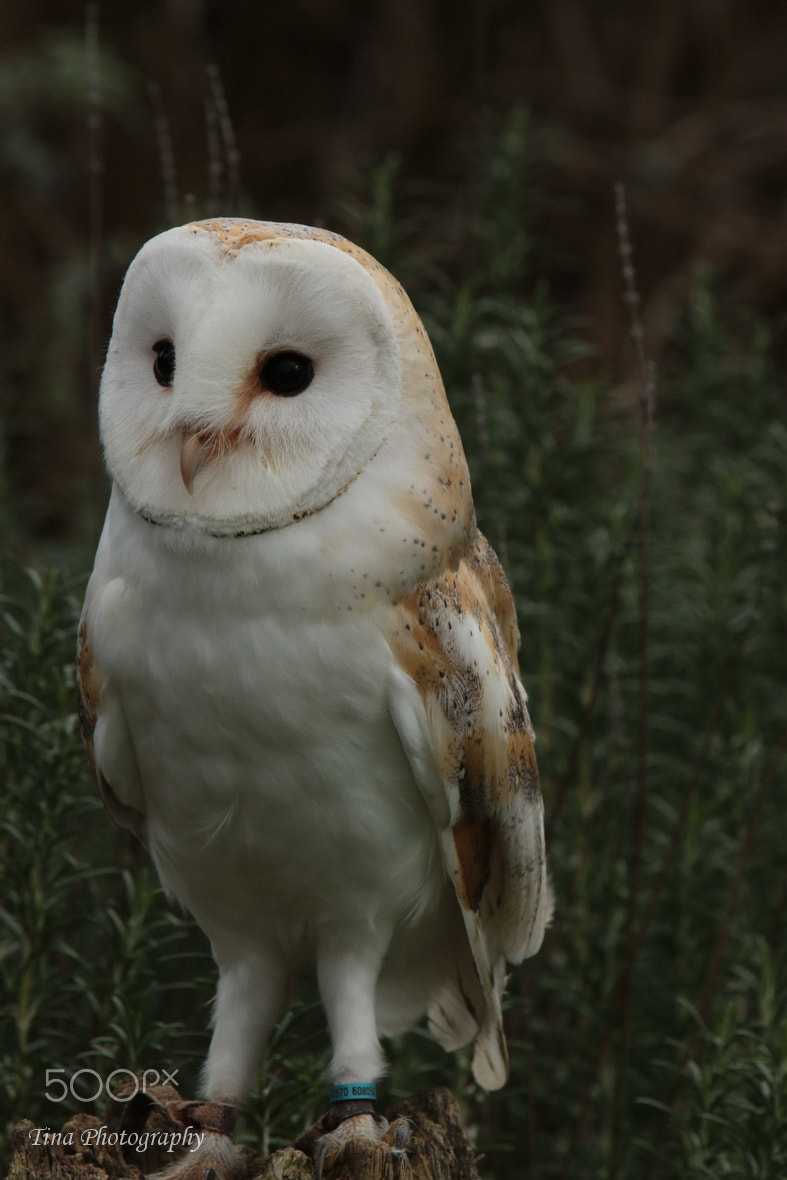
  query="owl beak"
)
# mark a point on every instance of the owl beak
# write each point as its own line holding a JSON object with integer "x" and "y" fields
{"x": 194, "y": 450}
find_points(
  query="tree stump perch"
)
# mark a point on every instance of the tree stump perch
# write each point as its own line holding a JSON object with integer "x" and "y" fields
{"x": 437, "y": 1150}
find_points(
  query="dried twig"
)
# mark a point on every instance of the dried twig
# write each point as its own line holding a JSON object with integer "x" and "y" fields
{"x": 166, "y": 154}
{"x": 215, "y": 158}
{"x": 561, "y": 793}
{"x": 95, "y": 166}
{"x": 647, "y": 402}
{"x": 226, "y": 135}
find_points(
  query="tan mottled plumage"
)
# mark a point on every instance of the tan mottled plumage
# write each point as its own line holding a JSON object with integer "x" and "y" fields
{"x": 298, "y": 672}
{"x": 456, "y": 638}
{"x": 89, "y": 692}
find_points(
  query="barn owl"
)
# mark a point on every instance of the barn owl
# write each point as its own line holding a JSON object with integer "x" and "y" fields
{"x": 297, "y": 660}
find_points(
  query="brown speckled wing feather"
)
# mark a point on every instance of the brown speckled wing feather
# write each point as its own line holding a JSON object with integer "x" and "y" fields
{"x": 456, "y": 639}
{"x": 90, "y": 686}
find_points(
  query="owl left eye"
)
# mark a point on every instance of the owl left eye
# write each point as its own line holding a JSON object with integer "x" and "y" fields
{"x": 286, "y": 373}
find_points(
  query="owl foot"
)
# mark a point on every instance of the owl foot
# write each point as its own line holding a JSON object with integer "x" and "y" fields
{"x": 339, "y": 1134}
{"x": 216, "y": 1158}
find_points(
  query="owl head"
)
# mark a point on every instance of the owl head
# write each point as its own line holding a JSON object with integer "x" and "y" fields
{"x": 256, "y": 369}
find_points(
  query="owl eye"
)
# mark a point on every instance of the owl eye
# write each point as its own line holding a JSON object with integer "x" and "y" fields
{"x": 164, "y": 364}
{"x": 286, "y": 373}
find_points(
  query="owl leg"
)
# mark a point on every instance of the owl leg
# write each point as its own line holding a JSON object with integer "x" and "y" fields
{"x": 249, "y": 998}
{"x": 347, "y": 978}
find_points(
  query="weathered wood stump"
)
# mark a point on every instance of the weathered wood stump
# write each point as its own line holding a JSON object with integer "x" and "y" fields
{"x": 87, "y": 1148}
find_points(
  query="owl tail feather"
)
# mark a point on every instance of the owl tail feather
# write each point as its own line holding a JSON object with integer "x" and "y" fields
{"x": 490, "y": 1059}
{"x": 453, "y": 1018}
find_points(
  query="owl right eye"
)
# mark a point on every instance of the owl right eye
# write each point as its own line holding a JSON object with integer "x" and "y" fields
{"x": 164, "y": 364}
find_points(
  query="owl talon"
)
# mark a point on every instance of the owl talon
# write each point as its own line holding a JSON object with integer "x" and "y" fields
{"x": 398, "y": 1135}
{"x": 326, "y": 1147}
{"x": 326, "y": 1152}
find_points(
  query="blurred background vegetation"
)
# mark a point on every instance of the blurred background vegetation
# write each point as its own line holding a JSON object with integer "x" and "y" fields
{"x": 635, "y": 495}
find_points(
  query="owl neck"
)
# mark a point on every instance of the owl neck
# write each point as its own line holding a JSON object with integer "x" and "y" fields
{"x": 164, "y": 524}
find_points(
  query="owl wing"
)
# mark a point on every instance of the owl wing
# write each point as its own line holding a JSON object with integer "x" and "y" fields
{"x": 107, "y": 740}
{"x": 461, "y": 714}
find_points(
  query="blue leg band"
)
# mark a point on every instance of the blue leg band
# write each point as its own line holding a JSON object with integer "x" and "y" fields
{"x": 347, "y": 1091}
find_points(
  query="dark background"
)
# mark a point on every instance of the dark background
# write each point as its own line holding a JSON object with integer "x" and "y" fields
{"x": 117, "y": 120}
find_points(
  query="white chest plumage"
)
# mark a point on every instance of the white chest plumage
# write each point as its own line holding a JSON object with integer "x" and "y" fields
{"x": 269, "y": 763}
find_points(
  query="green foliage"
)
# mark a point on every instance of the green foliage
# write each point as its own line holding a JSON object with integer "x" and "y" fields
{"x": 94, "y": 970}
{"x": 648, "y": 1036}
{"x": 730, "y": 1113}
{"x": 44, "y": 94}
{"x": 48, "y": 92}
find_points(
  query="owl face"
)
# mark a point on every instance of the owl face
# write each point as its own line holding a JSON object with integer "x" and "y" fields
{"x": 245, "y": 387}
